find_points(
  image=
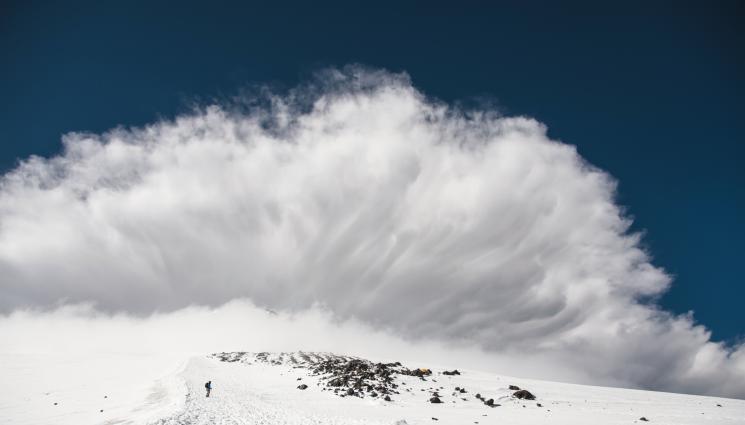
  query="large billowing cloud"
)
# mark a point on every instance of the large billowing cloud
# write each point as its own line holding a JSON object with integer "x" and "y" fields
{"x": 365, "y": 198}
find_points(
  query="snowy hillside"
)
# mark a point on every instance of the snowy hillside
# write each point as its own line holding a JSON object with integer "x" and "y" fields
{"x": 322, "y": 388}
{"x": 263, "y": 388}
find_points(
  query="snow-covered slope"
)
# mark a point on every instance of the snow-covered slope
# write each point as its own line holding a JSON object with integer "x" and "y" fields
{"x": 262, "y": 388}
{"x": 90, "y": 388}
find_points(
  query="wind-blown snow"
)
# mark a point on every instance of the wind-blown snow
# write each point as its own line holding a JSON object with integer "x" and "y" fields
{"x": 364, "y": 197}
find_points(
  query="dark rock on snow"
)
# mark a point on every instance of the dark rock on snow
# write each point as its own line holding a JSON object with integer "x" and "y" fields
{"x": 523, "y": 395}
{"x": 337, "y": 382}
{"x": 435, "y": 400}
{"x": 302, "y": 386}
{"x": 514, "y": 388}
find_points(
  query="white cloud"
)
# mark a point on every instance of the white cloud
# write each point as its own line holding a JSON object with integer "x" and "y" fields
{"x": 366, "y": 198}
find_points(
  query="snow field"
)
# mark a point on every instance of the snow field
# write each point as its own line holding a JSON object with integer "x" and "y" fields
{"x": 169, "y": 390}
{"x": 265, "y": 392}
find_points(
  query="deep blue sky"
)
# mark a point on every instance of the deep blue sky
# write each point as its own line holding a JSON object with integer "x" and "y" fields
{"x": 651, "y": 93}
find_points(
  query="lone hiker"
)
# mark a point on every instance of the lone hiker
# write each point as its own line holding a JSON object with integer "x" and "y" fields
{"x": 208, "y": 387}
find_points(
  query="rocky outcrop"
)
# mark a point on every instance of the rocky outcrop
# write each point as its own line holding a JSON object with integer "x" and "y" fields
{"x": 523, "y": 395}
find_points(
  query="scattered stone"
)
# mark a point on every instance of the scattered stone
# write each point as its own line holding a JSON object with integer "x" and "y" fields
{"x": 302, "y": 386}
{"x": 55, "y": 403}
{"x": 345, "y": 376}
{"x": 453, "y": 372}
{"x": 101, "y": 410}
{"x": 105, "y": 396}
{"x": 514, "y": 388}
{"x": 478, "y": 396}
{"x": 539, "y": 405}
{"x": 489, "y": 402}
{"x": 435, "y": 419}
{"x": 462, "y": 390}
{"x": 719, "y": 405}
{"x": 523, "y": 395}
{"x": 359, "y": 375}
{"x": 644, "y": 419}
{"x": 435, "y": 400}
